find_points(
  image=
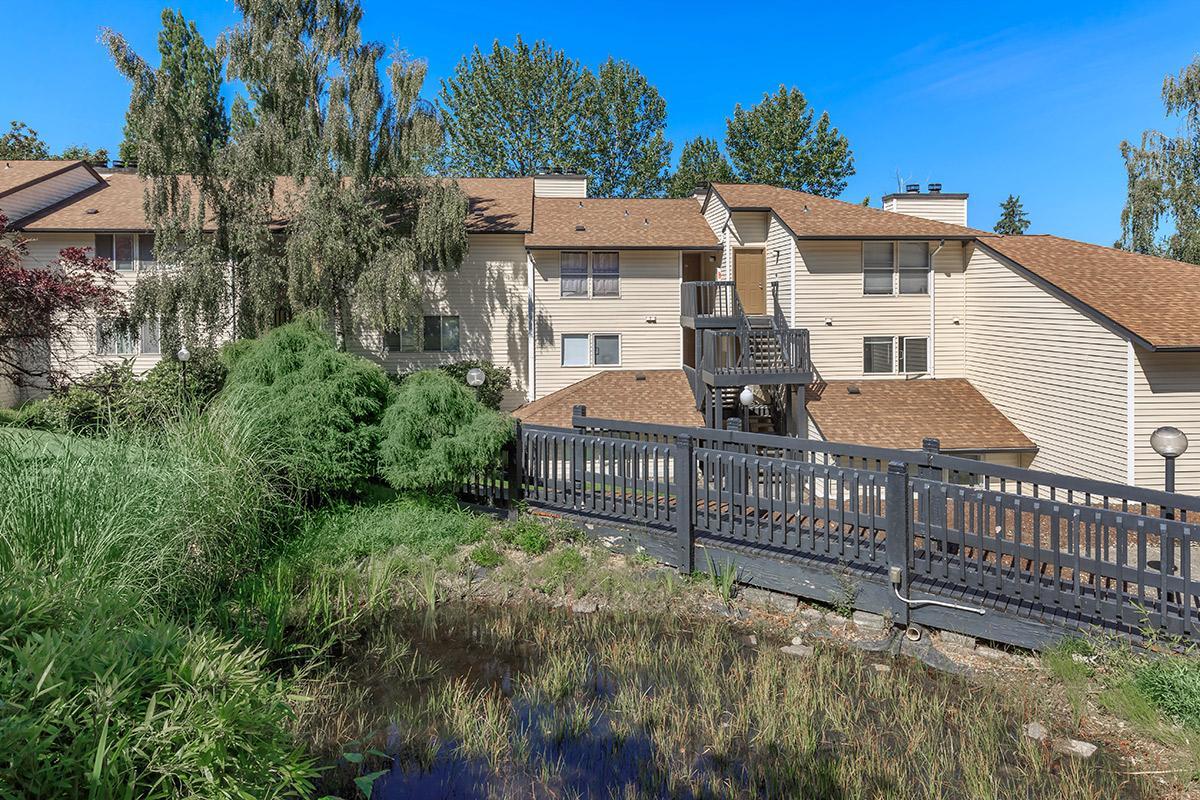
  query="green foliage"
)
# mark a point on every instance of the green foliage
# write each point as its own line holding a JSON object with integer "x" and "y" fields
{"x": 436, "y": 433}
{"x": 22, "y": 143}
{"x": 486, "y": 555}
{"x": 99, "y": 702}
{"x": 318, "y": 408}
{"x": 700, "y": 162}
{"x": 82, "y": 152}
{"x": 776, "y": 142}
{"x": 497, "y": 380}
{"x": 1013, "y": 219}
{"x": 1173, "y": 685}
{"x": 1162, "y": 207}
{"x": 528, "y": 109}
{"x": 527, "y": 533}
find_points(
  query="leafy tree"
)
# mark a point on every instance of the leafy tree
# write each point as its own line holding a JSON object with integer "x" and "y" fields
{"x": 527, "y": 109}
{"x": 1164, "y": 178}
{"x": 624, "y": 133}
{"x": 700, "y": 162}
{"x": 497, "y": 380}
{"x": 81, "y": 152}
{"x": 316, "y": 196}
{"x": 1013, "y": 220}
{"x": 42, "y": 309}
{"x": 436, "y": 433}
{"x": 22, "y": 143}
{"x": 316, "y": 407}
{"x": 515, "y": 111}
{"x": 776, "y": 142}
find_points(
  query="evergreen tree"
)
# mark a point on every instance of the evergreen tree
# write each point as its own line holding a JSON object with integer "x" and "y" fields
{"x": 515, "y": 111}
{"x": 1164, "y": 179}
{"x": 624, "y": 134}
{"x": 776, "y": 142}
{"x": 314, "y": 192}
{"x": 527, "y": 109}
{"x": 81, "y": 152}
{"x": 22, "y": 143}
{"x": 700, "y": 162}
{"x": 1013, "y": 220}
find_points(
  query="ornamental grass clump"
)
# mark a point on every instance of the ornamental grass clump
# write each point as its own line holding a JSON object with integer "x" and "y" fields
{"x": 436, "y": 434}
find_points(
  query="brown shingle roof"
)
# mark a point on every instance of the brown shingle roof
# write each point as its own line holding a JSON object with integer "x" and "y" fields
{"x": 16, "y": 175}
{"x": 663, "y": 397}
{"x": 618, "y": 222}
{"x": 1156, "y": 299}
{"x": 495, "y": 205}
{"x": 813, "y": 216}
{"x": 900, "y": 413}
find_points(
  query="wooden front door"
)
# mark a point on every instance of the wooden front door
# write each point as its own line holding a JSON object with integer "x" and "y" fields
{"x": 750, "y": 276}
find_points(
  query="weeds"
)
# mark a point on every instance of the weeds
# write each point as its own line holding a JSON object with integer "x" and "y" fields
{"x": 722, "y": 579}
{"x": 486, "y": 555}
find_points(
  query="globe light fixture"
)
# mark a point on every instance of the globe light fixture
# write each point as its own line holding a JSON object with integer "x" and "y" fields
{"x": 1170, "y": 443}
{"x": 183, "y": 354}
{"x": 746, "y": 397}
{"x": 476, "y": 377}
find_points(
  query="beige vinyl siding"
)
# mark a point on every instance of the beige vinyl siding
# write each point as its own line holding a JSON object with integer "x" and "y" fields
{"x": 780, "y": 258}
{"x": 749, "y": 227}
{"x": 942, "y": 209}
{"x": 1055, "y": 373}
{"x": 488, "y": 293}
{"x": 45, "y": 193}
{"x": 1166, "y": 392}
{"x": 560, "y": 186}
{"x": 649, "y": 289}
{"x": 829, "y": 283}
{"x": 950, "y": 305}
{"x": 717, "y": 214}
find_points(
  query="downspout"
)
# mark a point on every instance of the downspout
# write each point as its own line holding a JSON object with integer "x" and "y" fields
{"x": 933, "y": 310}
{"x": 792, "y": 312}
{"x": 1130, "y": 440}
{"x": 530, "y": 311}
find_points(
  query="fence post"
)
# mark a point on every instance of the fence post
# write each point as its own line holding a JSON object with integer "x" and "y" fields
{"x": 685, "y": 506}
{"x": 516, "y": 471}
{"x": 935, "y": 514}
{"x": 577, "y": 411}
{"x": 898, "y": 518}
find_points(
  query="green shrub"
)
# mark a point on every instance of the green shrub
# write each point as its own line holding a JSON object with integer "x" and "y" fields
{"x": 486, "y": 555}
{"x": 526, "y": 533}
{"x": 1173, "y": 685}
{"x": 318, "y": 408}
{"x": 497, "y": 380}
{"x": 103, "y": 703}
{"x": 436, "y": 434}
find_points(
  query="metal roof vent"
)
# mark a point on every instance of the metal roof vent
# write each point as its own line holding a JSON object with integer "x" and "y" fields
{"x": 853, "y": 390}
{"x": 913, "y": 188}
{"x": 581, "y": 204}
{"x": 92, "y": 211}
{"x": 639, "y": 376}
{"x": 646, "y": 222}
{"x": 581, "y": 228}
{"x": 935, "y": 188}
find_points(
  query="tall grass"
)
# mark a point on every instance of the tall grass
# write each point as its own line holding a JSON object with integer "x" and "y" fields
{"x": 163, "y": 520}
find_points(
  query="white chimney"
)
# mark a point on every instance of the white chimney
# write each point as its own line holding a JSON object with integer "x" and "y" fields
{"x": 931, "y": 204}
{"x": 560, "y": 184}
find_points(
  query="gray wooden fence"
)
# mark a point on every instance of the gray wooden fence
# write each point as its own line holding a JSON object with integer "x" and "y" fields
{"x": 1013, "y": 555}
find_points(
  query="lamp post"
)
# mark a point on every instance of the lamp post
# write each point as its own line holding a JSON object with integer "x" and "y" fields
{"x": 746, "y": 397}
{"x": 476, "y": 377}
{"x": 183, "y": 355}
{"x": 1170, "y": 443}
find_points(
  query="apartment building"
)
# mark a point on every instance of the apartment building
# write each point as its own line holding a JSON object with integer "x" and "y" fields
{"x": 878, "y": 326}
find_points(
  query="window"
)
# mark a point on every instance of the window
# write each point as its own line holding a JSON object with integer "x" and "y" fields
{"x": 112, "y": 340}
{"x": 405, "y": 340}
{"x": 574, "y": 278}
{"x": 607, "y": 350}
{"x": 120, "y": 249}
{"x": 575, "y": 350}
{"x": 149, "y": 338}
{"x": 914, "y": 354}
{"x": 877, "y": 267}
{"x": 441, "y": 335}
{"x": 914, "y": 268}
{"x": 146, "y": 249}
{"x": 883, "y": 260}
{"x": 877, "y": 355}
{"x": 606, "y": 275}
{"x": 600, "y": 271}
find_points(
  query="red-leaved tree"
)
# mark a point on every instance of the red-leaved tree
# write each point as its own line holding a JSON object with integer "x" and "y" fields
{"x": 42, "y": 308}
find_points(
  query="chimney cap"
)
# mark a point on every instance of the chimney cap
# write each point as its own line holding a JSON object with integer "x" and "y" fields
{"x": 912, "y": 188}
{"x": 935, "y": 188}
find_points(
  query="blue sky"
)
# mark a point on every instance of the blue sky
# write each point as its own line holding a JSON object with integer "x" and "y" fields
{"x": 1028, "y": 98}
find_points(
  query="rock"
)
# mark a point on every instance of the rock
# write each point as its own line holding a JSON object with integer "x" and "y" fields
{"x": 949, "y": 640}
{"x": 882, "y": 669}
{"x": 767, "y": 599}
{"x": 750, "y": 640}
{"x": 1075, "y": 748}
{"x": 797, "y": 640}
{"x": 585, "y": 606}
{"x": 1036, "y": 731}
{"x": 812, "y": 615}
{"x": 868, "y": 621}
{"x": 798, "y": 650}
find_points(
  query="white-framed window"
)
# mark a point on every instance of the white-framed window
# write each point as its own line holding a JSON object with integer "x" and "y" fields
{"x": 895, "y": 268}
{"x": 430, "y": 334}
{"x": 887, "y": 355}
{"x": 591, "y": 349}
{"x": 584, "y": 274}
{"x": 126, "y": 251}
{"x": 150, "y": 338}
{"x": 113, "y": 340}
